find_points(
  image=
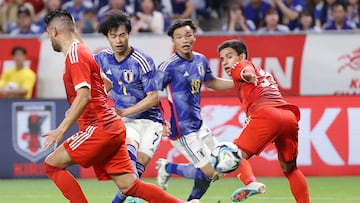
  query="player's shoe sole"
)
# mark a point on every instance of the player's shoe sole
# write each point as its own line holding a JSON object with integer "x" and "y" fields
{"x": 243, "y": 193}
{"x": 130, "y": 199}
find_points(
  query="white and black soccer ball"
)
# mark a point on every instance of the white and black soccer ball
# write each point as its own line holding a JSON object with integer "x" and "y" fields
{"x": 226, "y": 157}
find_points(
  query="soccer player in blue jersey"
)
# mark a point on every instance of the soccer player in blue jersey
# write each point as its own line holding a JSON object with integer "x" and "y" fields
{"x": 182, "y": 75}
{"x": 134, "y": 90}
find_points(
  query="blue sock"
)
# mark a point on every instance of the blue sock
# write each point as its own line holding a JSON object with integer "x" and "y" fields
{"x": 119, "y": 197}
{"x": 140, "y": 168}
{"x": 133, "y": 156}
{"x": 199, "y": 189}
{"x": 186, "y": 171}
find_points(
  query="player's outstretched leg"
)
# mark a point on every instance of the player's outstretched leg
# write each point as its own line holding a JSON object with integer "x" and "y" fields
{"x": 66, "y": 183}
{"x": 252, "y": 187}
{"x": 298, "y": 185}
{"x": 199, "y": 188}
{"x": 152, "y": 193}
{"x": 119, "y": 197}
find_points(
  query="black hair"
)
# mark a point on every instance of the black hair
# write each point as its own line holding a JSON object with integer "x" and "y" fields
{"x": 63, "y": 14}
{"x": 180, "y": 23}
{"x": 18, "y": 48}
{"x": 25, "y": 10}
{"x": 338, "y": 3}
{"x": 238, "y": 45}
{"x": 113, "y": 19}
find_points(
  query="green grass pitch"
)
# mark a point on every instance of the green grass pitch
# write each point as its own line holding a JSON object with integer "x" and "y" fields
{"x": 322, "y": 189}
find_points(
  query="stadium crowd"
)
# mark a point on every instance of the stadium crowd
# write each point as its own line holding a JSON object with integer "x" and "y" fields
{"x": 25, "y": 17}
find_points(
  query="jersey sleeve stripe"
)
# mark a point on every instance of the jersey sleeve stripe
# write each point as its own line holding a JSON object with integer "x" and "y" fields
{"x": 166, "y": 63}
{"x": 82, "y": 84}
{"x": 142, "y": 61}
{"x": 73, "y": 54}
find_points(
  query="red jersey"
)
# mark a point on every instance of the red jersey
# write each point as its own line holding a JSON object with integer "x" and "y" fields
{"x": 82, "y": 71}
{"x": 265, "y": 93}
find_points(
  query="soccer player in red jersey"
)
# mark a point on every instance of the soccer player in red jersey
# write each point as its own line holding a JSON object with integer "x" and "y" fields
{"x": 270, "y": 119}
{"x": 100, "y": 141}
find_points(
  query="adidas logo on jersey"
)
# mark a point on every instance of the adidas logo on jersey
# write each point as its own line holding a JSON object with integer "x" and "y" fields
{"x": 186, "y": 74}
{"x": 108, "y": 72}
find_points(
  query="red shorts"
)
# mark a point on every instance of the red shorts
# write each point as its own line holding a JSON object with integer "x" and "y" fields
{"x": 268, "y": 125}
{"x": 106, "y": 152}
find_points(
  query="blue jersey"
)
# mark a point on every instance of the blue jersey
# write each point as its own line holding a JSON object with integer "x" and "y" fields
{"x": 183, "y": 80}
{"x": 132, "y": 78}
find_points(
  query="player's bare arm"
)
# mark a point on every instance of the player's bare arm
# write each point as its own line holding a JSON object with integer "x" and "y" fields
{"x": 77, "y": 107}
{"x": 151, "y": 100}
{"x": 219, "y": 84}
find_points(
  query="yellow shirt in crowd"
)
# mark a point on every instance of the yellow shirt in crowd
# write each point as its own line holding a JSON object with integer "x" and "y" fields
{"x": 24, "y": 78}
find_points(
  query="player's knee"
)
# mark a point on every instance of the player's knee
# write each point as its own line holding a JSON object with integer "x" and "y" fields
{"x": 50, "y": 169}
{"x": 288, "y": 167}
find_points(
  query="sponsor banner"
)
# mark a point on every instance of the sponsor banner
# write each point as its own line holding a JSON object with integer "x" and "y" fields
{"x": 272, "y": 53}
{"x": 312, "y": 64}
{"x": 52, "y": 64}
{"x": 32, "y": 46}
{"x": 329, "y": 136}
{"x": 22, "y": 123}
{"x": 331, "y": 65}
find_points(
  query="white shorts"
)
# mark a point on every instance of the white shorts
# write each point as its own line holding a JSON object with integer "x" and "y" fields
{"x": 196, "y": 146}
{"x": 145, "y": 132}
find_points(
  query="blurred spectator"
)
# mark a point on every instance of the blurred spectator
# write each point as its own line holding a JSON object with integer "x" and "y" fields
{"x": 50, "y": 5}
{"x": 289, "y": 11}
{"x": 307, "y": 23}
{"x": 37, "y": 4}
{"x": 177, "y": 9}
{"x": 202, "y": 7}
{"x": 255, "y": 10}
{"x": 148, "y": 19}
{"x": 8, "y": 14}
{"x": 89, "y": 21}
{"x": 113, "y": 4}
{"x": 236, "y": 21}
{"x": 322, "y": 12}
{"x": 339, "y": 21}
{"x": 99, "y": 3}
{"x": 353, "y": 12}
{"x": 25, "y": 24}
{"x": 77, "y": 8}
{"x": 19, "y": 81}
{"x": 272, "y": 23}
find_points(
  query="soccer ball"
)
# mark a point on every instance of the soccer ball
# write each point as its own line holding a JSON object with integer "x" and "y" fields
{"x": 225, "y": 157}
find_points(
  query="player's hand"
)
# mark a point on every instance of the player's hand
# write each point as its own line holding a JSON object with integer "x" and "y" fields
{"x": 166, "y": 129}
{"x": 250, "y": 78}
{"x": 52, "y": 137}
{"x": 120, "y": 112}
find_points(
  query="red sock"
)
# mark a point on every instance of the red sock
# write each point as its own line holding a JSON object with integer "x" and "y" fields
{"x": 150, "y": 193}
{"x": 66, "y": 183}
{"x": 246, "y": 174}
{"x": 298, "y": 186}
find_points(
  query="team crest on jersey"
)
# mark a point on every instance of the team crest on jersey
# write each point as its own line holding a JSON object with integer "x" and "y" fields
{"x": 30, "y": 120}
{"x": 201, "y": 153}
{"x": 128, "y": 76}
{"x": 200, "y": 68}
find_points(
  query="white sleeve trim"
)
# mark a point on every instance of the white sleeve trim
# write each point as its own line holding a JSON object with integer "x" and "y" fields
{"x": 82, "y": 84}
